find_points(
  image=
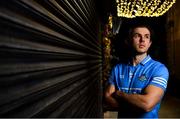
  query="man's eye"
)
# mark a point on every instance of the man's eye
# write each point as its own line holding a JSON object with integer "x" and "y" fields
{"x": 136, "y": 35}
{"x": 147, "y": 36}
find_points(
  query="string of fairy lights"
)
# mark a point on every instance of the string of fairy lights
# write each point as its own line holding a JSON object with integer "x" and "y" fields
{"x": 148, "y": 8}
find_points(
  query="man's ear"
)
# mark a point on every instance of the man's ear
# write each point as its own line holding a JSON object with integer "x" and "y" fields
{"x": 150, "y": 43}
{"x": 127, "y": 42}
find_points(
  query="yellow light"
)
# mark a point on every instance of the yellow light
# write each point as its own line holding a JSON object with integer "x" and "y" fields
{"x": 148, "y": 8}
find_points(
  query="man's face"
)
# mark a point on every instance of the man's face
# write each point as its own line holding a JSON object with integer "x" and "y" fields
{"x": 141, "y": 40}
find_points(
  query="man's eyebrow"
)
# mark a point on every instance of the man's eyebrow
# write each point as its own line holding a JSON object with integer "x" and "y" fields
{"x": 140, "y": 33}
{"x": 136, "y": 33}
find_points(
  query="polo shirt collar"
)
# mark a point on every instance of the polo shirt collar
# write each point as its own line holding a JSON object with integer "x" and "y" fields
{"x": 145, "y": 60}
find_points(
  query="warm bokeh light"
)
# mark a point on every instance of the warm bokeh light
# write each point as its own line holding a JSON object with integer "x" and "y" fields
{"x": 148, "y": 8}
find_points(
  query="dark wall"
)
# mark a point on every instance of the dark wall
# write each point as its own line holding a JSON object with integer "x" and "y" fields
{"x": 50, "y": 59}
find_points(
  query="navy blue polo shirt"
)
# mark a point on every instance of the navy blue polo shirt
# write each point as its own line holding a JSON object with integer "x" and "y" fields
{"x": 134, "y": 79}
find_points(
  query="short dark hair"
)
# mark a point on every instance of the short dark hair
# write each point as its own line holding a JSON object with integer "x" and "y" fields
{"x": 131, "y": 30}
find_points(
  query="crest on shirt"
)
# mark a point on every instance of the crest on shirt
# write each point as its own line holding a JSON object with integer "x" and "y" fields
{"x": 122, "y": 76}
{"x": 142, "y": 78}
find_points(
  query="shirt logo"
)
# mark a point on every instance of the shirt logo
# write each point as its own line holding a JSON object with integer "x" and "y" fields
{"x": 122, "y": 76}
{"x": 142, "y": 78}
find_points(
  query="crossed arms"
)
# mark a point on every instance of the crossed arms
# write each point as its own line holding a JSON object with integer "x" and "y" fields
{"x": 146, "y": 101}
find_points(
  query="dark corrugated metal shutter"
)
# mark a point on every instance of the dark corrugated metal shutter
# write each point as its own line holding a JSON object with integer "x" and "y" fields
{"x": 50, "y": 59}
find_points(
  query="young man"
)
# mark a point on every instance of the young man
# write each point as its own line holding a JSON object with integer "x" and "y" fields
{"x": 137, "y": 87}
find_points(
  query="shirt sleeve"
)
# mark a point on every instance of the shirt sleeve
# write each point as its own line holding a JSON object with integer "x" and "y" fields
{"x": 111, "y": 79}
{"x": 160, "y": 77}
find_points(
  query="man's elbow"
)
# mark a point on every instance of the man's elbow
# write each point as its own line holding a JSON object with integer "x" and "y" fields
{"x": 107, "y": 96}
{"x": 148, "y": 107}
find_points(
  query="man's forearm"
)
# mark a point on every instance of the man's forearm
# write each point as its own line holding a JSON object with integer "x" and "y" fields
{"x": 112, "y": 102}
{"x": 138, "y": 100}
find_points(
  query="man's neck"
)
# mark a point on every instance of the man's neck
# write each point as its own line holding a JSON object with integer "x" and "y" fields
{"x": 138, "y": 58}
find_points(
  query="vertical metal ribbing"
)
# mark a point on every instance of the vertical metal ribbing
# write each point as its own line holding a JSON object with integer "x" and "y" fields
{"x": 50, "y": 59}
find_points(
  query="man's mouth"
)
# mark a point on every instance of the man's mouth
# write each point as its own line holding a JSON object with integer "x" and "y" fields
{"x": 141, "y": 46}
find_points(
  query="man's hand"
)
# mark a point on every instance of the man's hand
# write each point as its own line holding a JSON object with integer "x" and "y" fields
{"x": 152, "y": 95}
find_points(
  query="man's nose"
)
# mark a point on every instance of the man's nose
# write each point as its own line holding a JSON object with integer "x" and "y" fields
{"x": 142, "y": 39}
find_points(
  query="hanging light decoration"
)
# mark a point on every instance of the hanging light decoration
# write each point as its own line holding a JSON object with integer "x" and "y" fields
{"x": 148, "y": 8}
